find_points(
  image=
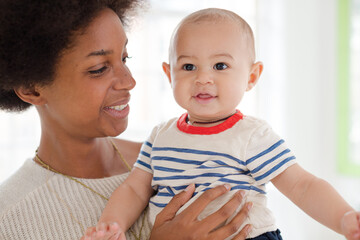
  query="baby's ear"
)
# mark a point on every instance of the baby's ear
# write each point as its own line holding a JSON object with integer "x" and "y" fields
{"x": 30, "y": 95}
{"x": 255, "y": 72}
{"x": 166, "y": 69}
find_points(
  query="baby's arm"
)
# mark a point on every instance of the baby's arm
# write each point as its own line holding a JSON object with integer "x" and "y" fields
{"x": 319, "y": 200}
{"x": 125, "y": 205}
{"x": 129, "y": 199}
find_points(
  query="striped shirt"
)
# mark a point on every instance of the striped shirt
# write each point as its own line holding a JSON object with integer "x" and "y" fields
{"x": 242, "y": 151}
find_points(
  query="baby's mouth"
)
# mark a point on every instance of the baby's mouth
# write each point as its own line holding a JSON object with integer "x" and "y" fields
{"x": 204, "y": 98}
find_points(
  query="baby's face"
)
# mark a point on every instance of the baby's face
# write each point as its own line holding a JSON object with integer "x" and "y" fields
{"x": 209, "y": 69}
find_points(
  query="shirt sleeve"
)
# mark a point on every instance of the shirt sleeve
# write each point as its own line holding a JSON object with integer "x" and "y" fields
{"x": 267, "y": 154}
{"x": 144, "y": 159}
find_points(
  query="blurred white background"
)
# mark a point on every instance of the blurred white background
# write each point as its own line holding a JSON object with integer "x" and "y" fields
{"x": 297, "y": 42}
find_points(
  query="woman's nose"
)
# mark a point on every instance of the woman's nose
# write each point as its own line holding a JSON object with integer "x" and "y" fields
{"x": 123, "y": 79}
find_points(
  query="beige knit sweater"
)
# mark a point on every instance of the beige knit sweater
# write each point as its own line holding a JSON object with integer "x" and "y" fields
{"x": 38, "y": 204}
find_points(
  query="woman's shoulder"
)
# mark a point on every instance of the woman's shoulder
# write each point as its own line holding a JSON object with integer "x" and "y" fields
{"x": 20, "y": 184}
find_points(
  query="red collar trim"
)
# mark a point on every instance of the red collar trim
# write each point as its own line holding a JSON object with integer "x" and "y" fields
{"x": 228, "y": 123}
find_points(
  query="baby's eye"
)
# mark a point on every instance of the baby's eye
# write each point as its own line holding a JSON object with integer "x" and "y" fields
{"x": 189, "y": 67}
{"x": 98, "y": 72}
{"x": 220, "y": 66}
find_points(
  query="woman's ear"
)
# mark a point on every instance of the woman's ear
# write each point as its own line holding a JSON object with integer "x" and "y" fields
{"x": 30, "y": 95}
{"x": 166, "y": 69}
{"x": 256, "y": 70}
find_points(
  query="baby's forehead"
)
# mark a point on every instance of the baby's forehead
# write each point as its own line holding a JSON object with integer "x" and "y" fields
{"x": 211, "y": 14}
{"x": 212, "y": 19}
{"x": 188, "y": 31}
{"x": 214, "y": 16}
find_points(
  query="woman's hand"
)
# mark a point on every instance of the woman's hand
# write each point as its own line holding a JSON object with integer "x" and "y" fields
{"x": 185, "y": 225}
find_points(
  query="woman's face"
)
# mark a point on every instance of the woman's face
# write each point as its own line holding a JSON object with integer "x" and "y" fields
{"x": 90, "y": 94}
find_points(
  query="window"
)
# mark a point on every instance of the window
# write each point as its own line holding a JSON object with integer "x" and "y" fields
{"x": 349, "y": 87}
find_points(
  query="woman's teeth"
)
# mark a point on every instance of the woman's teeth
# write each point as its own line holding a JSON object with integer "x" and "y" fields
{"x": 119, "y": 107}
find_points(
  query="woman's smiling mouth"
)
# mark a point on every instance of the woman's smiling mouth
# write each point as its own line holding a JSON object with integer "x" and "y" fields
{"x": 118, "y": 111}
{"x": 119, "y": 107}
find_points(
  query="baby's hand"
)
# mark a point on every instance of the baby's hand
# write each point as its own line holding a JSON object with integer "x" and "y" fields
{"x": 350, "y": 225}
{"x": 104, "y": 231}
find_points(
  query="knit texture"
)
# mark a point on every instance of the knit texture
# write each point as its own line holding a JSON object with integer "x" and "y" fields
{"x": 38, "y": 204}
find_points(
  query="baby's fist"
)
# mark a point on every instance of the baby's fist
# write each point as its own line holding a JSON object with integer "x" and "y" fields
{"x": 104, "y": 231}
{"x": 350, "y": 225}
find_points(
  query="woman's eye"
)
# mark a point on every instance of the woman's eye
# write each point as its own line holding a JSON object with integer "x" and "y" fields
{"x": 189, "y": 67}
{"x": 124, "y": 59}
{"x": 98, "y": 72}
{"x": 220, "y": 66}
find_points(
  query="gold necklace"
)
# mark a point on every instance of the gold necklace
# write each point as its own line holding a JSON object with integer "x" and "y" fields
{"x": 38, "y": 159}
{"x": 44, "y": 165}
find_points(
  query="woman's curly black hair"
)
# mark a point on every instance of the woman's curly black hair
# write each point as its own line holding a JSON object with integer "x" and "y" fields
{"x": 33, "y": 33}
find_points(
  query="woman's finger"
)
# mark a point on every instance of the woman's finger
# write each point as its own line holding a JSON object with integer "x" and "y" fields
{"x": 225, "y": 211}
{"x": 174, "y": 205}
{"x": 193, "y": 211}
{"x": 243, "y": 233}
{"x": 234, "y": 225}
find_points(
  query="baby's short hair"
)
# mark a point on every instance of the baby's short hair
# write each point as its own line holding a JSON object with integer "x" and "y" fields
{"x": 217, "y": 15}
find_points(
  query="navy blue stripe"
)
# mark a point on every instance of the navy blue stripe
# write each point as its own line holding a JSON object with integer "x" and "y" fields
{"x": 199, "y": 152}
{"x": 144, "y": 164}
{"x": 164, "y": 194}
{"x": 190, "y": 177}
{"x": 170, "y": 191}
{"x": 171, "y": 194}
{"x": 238, "y": 187}
{"x": 269, "y": 161}
{"x": 221, "y": 163}
{"x": 165, "y": 169}
{"x": 145, "y": 154}
{"x": 274, "y": 168}
{"x": 265, "y": 152}
{"x": 160, "y": 205}
{"x": 240, "y": 171}
{"x": 177, "y": 160}
{"x": 148, "y": 144}
{"x": 241, "y": 187}
{"x": 182, "y": 187}
{"x": 195, "y": 162}
{"x": 226, "y": 180}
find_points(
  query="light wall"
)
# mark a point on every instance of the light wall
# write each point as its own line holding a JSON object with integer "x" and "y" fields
{"x": 307, "y": 108}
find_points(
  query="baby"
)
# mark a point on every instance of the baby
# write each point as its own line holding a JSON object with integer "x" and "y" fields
{"x": 211, "y": 65}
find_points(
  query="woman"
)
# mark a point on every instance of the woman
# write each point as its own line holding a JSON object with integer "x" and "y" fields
{"x": 68, "y": 59}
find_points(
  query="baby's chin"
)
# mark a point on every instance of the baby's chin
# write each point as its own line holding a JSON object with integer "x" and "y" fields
{"x": 209, "y": 116}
